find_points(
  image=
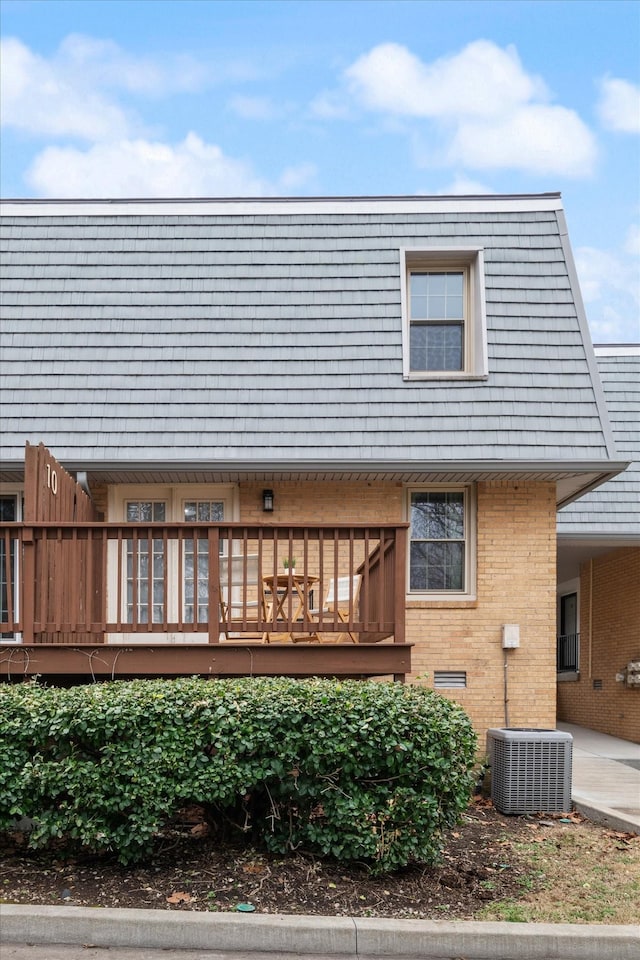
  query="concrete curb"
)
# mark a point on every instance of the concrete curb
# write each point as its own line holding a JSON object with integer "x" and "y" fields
{"x": 606, "y": 816}
{"x": 346, "y": 936}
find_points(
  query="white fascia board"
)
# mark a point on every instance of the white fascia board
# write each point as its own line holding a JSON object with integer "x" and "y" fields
{"x": 617, "y": 349}
{"x": 604, "y": 468}
{"x": 285, "y": 206}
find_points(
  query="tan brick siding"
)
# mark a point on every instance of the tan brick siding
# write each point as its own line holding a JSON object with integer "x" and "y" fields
{"x": 515, "y": 584}
{"x": 516, "y": 550}
{"x": 609, "y": 638}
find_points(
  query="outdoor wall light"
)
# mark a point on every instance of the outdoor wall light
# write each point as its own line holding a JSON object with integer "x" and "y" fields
{"x": 267, "y": 501}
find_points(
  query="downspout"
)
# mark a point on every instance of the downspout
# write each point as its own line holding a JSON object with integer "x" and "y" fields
{"x": 83, "y": 482}
{"x": 590, "y": 614}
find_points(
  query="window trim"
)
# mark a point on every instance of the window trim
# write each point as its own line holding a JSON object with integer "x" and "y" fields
{"x": 471, "y": 261}
{"x": 174, "y": 495}
{"x": 565, "y": 589}
{"x": 8, "y": 489}
{"x": 469, "y": 592}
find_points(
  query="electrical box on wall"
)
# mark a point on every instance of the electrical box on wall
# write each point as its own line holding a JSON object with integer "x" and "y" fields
{"x": 633, "y": 674}
{"x": 510, "y": 635}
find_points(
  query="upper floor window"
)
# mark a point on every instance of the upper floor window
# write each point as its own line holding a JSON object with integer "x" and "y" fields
{"x": 444, "y": 325}
{"x": 436, "y": 319}
{"x": 442, "y": 541}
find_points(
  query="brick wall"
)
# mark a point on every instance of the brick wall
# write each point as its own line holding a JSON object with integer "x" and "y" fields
{"x": 516, "y": 549}
{"x": 516, "y": 584}
{"x": 609, "y": 638}
{"x": 306, "y": 501}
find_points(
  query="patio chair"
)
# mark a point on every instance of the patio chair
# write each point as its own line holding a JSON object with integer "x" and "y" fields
{"x": 336, "y": 606}
{"x": 237, "y": 604}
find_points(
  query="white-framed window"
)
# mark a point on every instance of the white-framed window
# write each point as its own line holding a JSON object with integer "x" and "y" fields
{"x": 441, "y": 541}
{"x": 195, "y": 572}
{"x": 568, "y": 629}
{"x": 443, "y": 313}
{"x": 150, "y": 608}
{"x": 191, "y": 503}
{"x": 11, "y": 510}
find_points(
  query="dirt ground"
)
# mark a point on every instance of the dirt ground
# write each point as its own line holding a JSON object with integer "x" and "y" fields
{"x": 489, "y": 860}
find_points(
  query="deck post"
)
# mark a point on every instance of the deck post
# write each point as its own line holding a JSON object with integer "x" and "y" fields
{"x": 214, "y": 607}
{"x": 400, "y": 585}
{"x": 28, "y": 595}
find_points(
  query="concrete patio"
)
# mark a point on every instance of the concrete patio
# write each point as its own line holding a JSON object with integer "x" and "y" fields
{"x": 605, "y": 778}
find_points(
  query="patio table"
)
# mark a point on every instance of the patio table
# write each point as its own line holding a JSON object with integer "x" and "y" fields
{"x": 284, "y": 592}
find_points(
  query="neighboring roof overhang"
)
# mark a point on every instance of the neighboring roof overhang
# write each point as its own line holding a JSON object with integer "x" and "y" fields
{"x": 572, "y": 480}
{"x": 574, "y": 549}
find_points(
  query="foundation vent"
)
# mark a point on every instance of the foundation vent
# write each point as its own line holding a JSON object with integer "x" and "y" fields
{"x": 530, "y": 769}
{"x": 450, "y": 679}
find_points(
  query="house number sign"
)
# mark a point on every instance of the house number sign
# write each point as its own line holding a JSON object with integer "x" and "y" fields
{"x": 52, "y": 479}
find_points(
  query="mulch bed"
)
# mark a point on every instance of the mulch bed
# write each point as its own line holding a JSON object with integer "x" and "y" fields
{"x": 192, "y": 869}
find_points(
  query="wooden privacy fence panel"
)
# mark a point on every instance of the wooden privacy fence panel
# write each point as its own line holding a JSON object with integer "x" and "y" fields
{"x": 50, "y": 493}
{"x": 53, "y": 495}
{"x": 200, "y": 582}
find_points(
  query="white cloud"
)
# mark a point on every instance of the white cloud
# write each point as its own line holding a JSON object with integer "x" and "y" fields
{"x": 610, "y": 284}
{"x": 489, "y": 112}
{"x": 330, "y": 104}
{"x": 103, "y": 63}
{"x": 619, "y": 105}
{"x": 464, "y": 186}
{"x": 74, "y": 92}
{"x": 252, "y": 108}
{"x": 537, "y": 138}
{"x": 481, "y": 80}
{"x": 632, "y": 240}
{"x": 40, "y": 99}
{"x": 295, "y": 178}
{"x": 141, "y": 168}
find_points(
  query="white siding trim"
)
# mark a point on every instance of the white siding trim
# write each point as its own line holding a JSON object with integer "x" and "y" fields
{"x": 286, "y": 207}
{"x": 617, "y": 350}
{"x": 607, "y": 431}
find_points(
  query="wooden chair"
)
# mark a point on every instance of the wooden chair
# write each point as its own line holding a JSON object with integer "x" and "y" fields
{"x": 233, "y": 602}
{"x": 341, "y": 594}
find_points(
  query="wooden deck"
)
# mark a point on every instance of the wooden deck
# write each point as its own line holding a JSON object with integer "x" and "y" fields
{"x": 88, "y": 599}
{"x": 87, "y": 662}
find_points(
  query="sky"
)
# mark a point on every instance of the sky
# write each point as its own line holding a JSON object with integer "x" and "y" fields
{"x": 208, "y": 98}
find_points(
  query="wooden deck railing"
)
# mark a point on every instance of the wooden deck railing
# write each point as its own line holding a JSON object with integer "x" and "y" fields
{"x": 205, "y": 582}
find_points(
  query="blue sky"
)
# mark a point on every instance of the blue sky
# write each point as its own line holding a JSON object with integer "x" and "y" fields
{"x": 135, "y": 98}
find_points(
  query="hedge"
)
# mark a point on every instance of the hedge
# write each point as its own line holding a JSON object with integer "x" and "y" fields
{"x": 354, "y": 770}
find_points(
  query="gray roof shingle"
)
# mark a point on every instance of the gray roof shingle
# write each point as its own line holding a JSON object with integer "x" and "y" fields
{"x": 275, "y": 335}
{"x": 614, "y": 508}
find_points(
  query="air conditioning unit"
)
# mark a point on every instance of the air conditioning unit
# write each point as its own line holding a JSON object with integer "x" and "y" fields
{"x": 530, "y": 769}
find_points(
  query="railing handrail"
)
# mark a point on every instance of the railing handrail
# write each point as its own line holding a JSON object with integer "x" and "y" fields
{"x": 200, "y": 524}
{"x": 158, "y": 575}
{"x": 567, "y": 650}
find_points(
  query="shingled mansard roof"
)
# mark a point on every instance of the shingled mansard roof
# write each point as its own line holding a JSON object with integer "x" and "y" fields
{"x": 213, "y": 338}
{"x": 613, "y": 510}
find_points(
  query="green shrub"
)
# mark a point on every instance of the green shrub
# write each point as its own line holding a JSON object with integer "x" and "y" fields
{"x": 353, "y": 770}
